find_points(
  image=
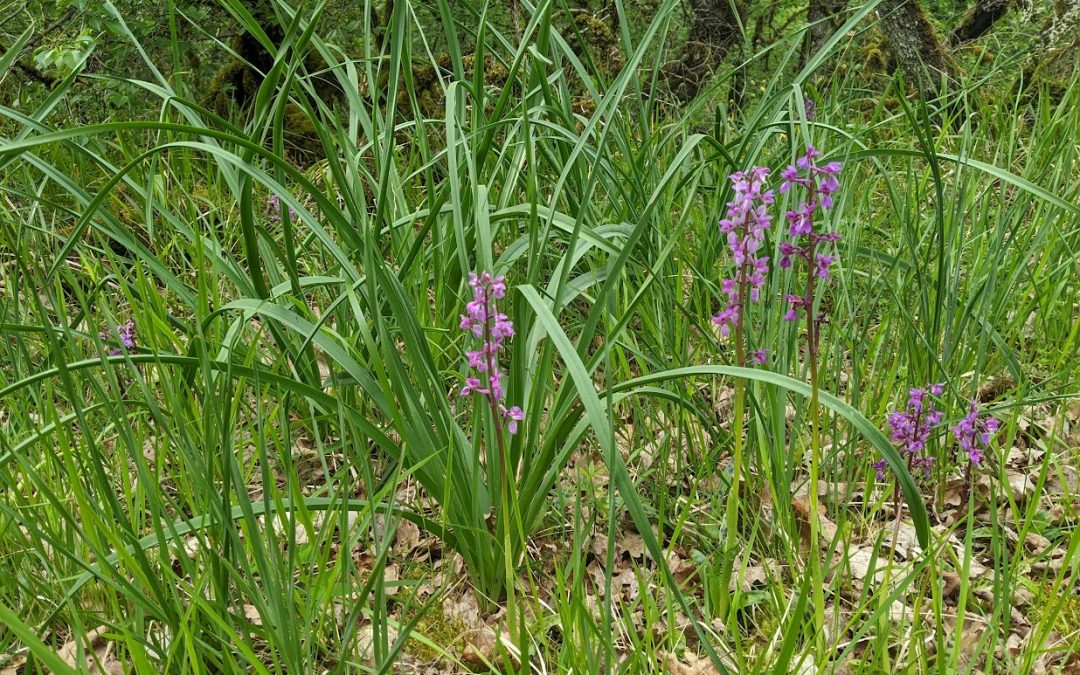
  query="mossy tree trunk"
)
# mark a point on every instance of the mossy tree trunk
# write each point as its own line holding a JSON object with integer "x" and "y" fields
{"x": 979, "y": 19}
{"x": 915, "y": 47}
{"x": 714, "y": 31}
{"x": 1060, "y": 37}
{"x": 824, "y": 17}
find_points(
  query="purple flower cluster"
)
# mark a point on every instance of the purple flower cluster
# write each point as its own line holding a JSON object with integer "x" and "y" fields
{"x": 974, "y": 434}
{"x": 820, "y": 183}
{"x": 127, "y": 338}
{"x": 747, "y": 220}
{"x": 484, "y": 321}
{"x": 273, "y": 206}
{"x": 911, "y": 428}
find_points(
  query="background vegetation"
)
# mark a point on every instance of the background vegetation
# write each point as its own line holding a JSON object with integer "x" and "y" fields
{"x": 235, "y": 240}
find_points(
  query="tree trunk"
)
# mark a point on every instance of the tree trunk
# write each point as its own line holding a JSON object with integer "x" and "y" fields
{"x": 713, "y": 32}
{"x": 980, "y": 19}
{"x": 1060, "y": 36}
{"x": 824, "y": 19}
{"x": 914, "y": 46}
{"x": 1061, "y": 32}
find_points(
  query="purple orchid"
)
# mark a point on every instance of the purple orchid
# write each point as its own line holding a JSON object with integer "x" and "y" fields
{"x": 483, "y": 320}
{"x": 126, "y": 333}
{"x": 974, "y": 433}
{"x": 820, "y": 183}
{"x": 745, "y": 225}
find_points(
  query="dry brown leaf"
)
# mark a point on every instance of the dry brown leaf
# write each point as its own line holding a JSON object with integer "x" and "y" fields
{"x": 827, "y": 489}
{"x": 625, "y": 583}
{"x": 690, "y": 664}
{"x": 632, "y": 544}
{"x": 483, "y": 643}
{"x": 597, "y": 575}
{"x": 952, "y": 584}
{"x": 598, "y": 546}
{"x": 100, "y": 662}
{"x": 10, "y": 664}
{"x": 800, "y": 504}
{"x": 391, "y": 574}
{"x": 484, "y": 649}
{"x": 1022, "y": 597}
{"x": 859, "y": 559}
{"x": 954, "y": 491}
{"x": 365, "y": 643}
{"x": 251, "y": 613}
{"x": 407, "y": 538}
{"x": 905, "y": 537}
{"x": 750, "y": 577}
{"x": 463, "y": 608}
{"x": 1036, "y": 543}
{"x": 681, "y": 568}
{"x": 1021, "y": 485}
{"x": 69, "y": 653}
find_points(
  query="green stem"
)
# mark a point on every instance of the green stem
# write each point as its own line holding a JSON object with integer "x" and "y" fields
{"x": 732, "y": 510}
{"x": 503, "y": 519}
{"x": 816, "y": 577}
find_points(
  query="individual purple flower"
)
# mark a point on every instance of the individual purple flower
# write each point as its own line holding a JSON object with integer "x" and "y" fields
{"x": 786, "y": 251}
{"x": 126, "y": 334}
{"x": 483, "y": 320}
{"x": 513, "y": 416}
{"x": 880, "y": 467}
{"x": 974, "y": 433}
{"x": 795, "y": 303}
{"x": 821, "y": 266}
{"x": 747, "y": 220}
{"x": 727, "y": 318}
{"x": 820, "y": 183}
{"x": 759, "y": 357}
{"x": 473, "y": 385}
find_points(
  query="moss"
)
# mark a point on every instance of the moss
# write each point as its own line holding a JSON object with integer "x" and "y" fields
{"x": 873, "y": 58}
{"x": 979, "y": 54}
{"x": 1067, "y": 620}
{"x": 436, "y": 628}
{"x": 427, "y": 85}
{"x": 589, "y": 34}
{"x": 233, "y": 85}
{"x": 584, "y": 106}
{"x": 432, "y": 624}
{"x": 300, "y": 136}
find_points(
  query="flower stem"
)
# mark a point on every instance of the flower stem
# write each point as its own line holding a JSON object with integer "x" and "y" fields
{"x": 500, "y": 464}
{"x": 732, "y": 510}
{"x": 816, "y": 577}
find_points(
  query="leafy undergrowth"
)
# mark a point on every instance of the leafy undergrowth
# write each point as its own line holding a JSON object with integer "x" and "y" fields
{"x": 246, "y": 426}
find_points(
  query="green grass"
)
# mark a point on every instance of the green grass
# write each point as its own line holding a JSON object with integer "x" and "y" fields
{"x": 304, "y": 371}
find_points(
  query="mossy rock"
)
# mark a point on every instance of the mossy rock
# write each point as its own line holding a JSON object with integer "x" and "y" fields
{"x": 232, "y": 87}
{"x": 597, "y": 38}
{"x": 430, "y": 97}
{"x": 301, "y": 139}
